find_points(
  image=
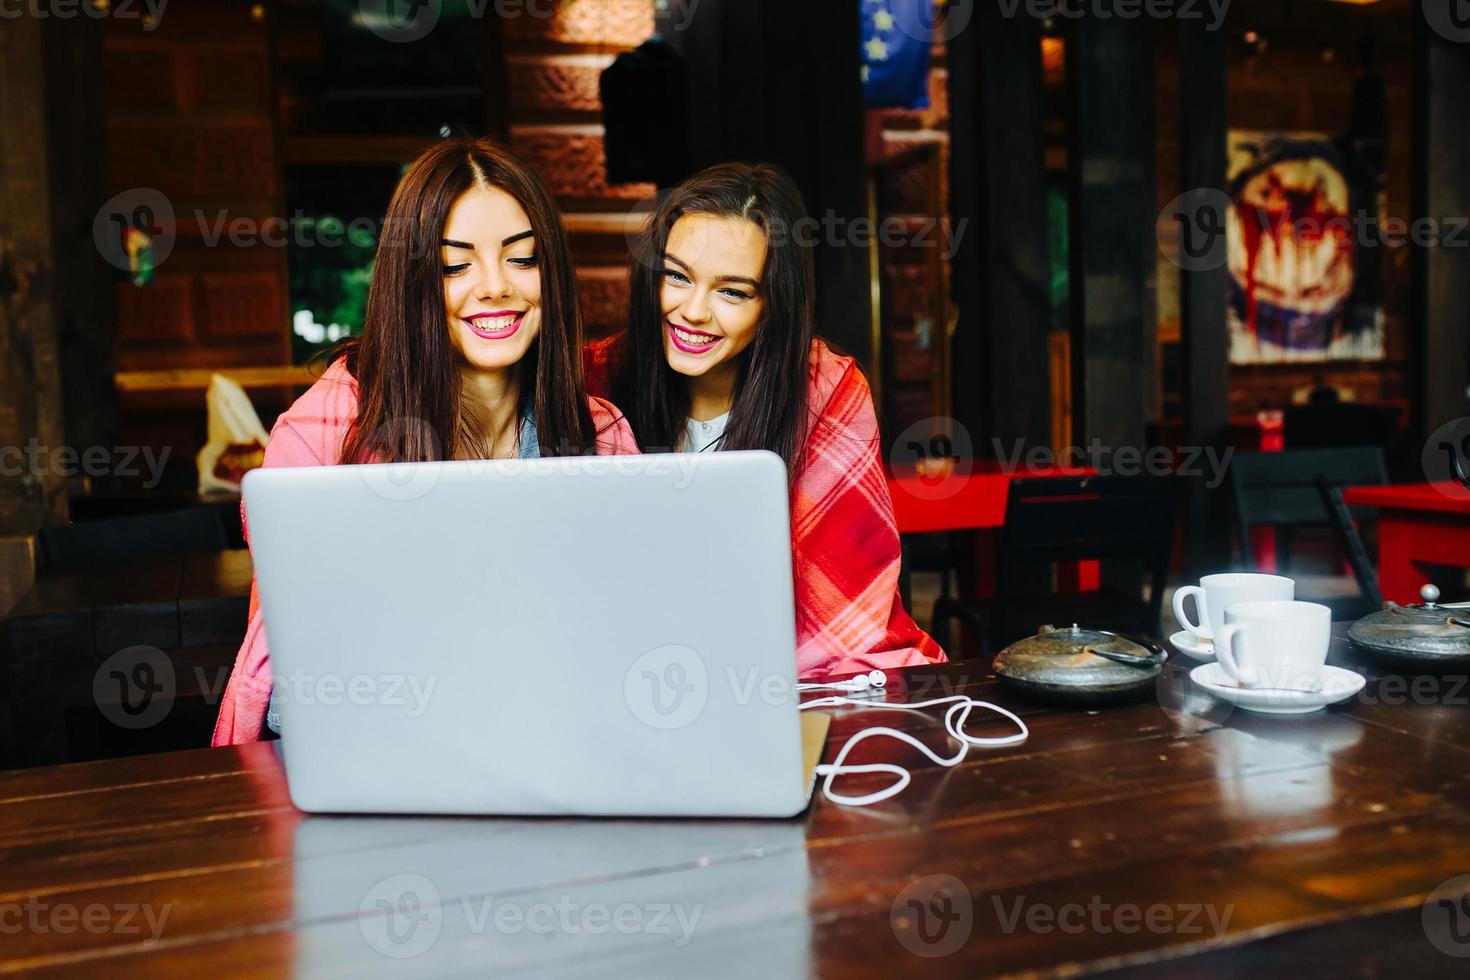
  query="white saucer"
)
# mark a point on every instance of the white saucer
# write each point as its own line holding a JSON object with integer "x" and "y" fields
{"x": 1187, "y": 643}
{"x": 1337, "y": 685}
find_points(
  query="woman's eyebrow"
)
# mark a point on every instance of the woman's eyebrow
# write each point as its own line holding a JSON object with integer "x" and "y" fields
{"x": 685, "y": 266}
{"x": 515, "y": 238}
{"x": 451, "y": 243}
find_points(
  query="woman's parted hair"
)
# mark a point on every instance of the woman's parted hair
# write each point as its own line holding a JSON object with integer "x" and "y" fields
{"x": 770, "y": 400}
{"x": 410, "y": 406}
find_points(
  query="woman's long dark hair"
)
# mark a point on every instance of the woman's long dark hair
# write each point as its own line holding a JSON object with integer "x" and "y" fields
{"x": 770, "y": 401}
{"x": 410, "y": 404}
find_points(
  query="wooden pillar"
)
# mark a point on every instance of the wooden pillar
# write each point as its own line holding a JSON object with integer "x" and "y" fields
{"x": 84, "y": 303}
{"x": 1110, "y": 84}
{"x": 1203, "y": 122}
{"x": 775, "y": 81}
{"x": 30, "y": 369}
{"x": 1001, "y": 368}
{"x": 1440, "y": 326}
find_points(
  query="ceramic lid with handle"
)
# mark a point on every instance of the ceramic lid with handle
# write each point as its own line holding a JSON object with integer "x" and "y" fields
{"x": 1077, "y": 663}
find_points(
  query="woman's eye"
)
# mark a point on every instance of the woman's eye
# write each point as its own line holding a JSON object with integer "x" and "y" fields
{"x": 454, "y": 270}
{"x": 524, "y": 262}
{"x": 735, "y": 294}
{"x": 675, "y": 277}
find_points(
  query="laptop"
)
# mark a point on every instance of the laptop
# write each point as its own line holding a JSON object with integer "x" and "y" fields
{"x": 606, "y": 636}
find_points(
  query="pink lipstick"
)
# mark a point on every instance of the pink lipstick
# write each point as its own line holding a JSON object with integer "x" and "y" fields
{"x": 495, "y": 325}
{"x": 692, "y": 341}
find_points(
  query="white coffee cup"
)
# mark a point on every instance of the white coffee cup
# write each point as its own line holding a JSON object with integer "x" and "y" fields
{"x": 1215, "y": 592}
{"x": 1275, "y": 643}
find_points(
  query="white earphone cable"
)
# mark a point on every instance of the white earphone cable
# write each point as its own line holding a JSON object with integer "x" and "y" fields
{"x": 955, "y": 717}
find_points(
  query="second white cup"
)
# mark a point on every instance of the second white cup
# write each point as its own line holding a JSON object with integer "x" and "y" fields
{"x": 1215, "y": 592}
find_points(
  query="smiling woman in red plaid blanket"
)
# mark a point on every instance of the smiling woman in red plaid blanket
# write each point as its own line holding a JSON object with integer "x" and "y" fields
{"x": 469, "y": 350}
{"x": 721, "y": 353}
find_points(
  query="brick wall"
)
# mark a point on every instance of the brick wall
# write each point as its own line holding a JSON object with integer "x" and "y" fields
{"x": 555, "y": 123}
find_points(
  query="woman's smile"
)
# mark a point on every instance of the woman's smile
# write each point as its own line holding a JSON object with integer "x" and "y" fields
{"x": 496, "y": 325}
{"x": 690, "y": 340}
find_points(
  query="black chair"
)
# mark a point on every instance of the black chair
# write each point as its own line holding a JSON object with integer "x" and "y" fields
{"x": 1127, "y": 523}
{"x": 1281, "y": 489}
{"x": 117, "y": 539}
{"x": 1352, "y": 545}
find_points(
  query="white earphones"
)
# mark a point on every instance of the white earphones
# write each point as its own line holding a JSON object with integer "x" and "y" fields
{"x": 955, "y": 717}
{"x": 862, "y": 682}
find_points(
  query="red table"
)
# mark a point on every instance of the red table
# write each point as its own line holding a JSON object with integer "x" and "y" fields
{"x": 1419, "y": 524}
{"x": 973, "y": 497}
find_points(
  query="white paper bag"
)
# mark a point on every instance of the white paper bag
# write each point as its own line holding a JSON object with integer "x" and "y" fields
{"x": 236, "y": 441}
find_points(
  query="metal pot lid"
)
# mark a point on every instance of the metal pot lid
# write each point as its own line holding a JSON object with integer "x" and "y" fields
{"x": 1081, "y": 659}
{"x": 1428, "y": 631}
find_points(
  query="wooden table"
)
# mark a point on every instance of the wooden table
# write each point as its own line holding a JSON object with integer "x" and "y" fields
{"x": 1419, "y": 524}
{"x": 190, "y": 607}
{"x": 1175, "y": 842}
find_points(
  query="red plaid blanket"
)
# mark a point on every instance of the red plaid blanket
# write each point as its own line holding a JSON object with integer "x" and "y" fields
{"x": 310, "y": 433}
{"x": 844, "y": 541}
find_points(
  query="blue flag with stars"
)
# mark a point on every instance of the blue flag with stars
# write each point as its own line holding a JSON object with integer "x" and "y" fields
{"x": 897, "y": 38}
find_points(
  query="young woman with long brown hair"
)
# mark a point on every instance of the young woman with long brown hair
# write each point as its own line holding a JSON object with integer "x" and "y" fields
{"x": 720, "y": 353}
{"x": 469, "y": 350}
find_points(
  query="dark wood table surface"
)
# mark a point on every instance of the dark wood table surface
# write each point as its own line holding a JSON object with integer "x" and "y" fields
{"x": 1168, "y": 837}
